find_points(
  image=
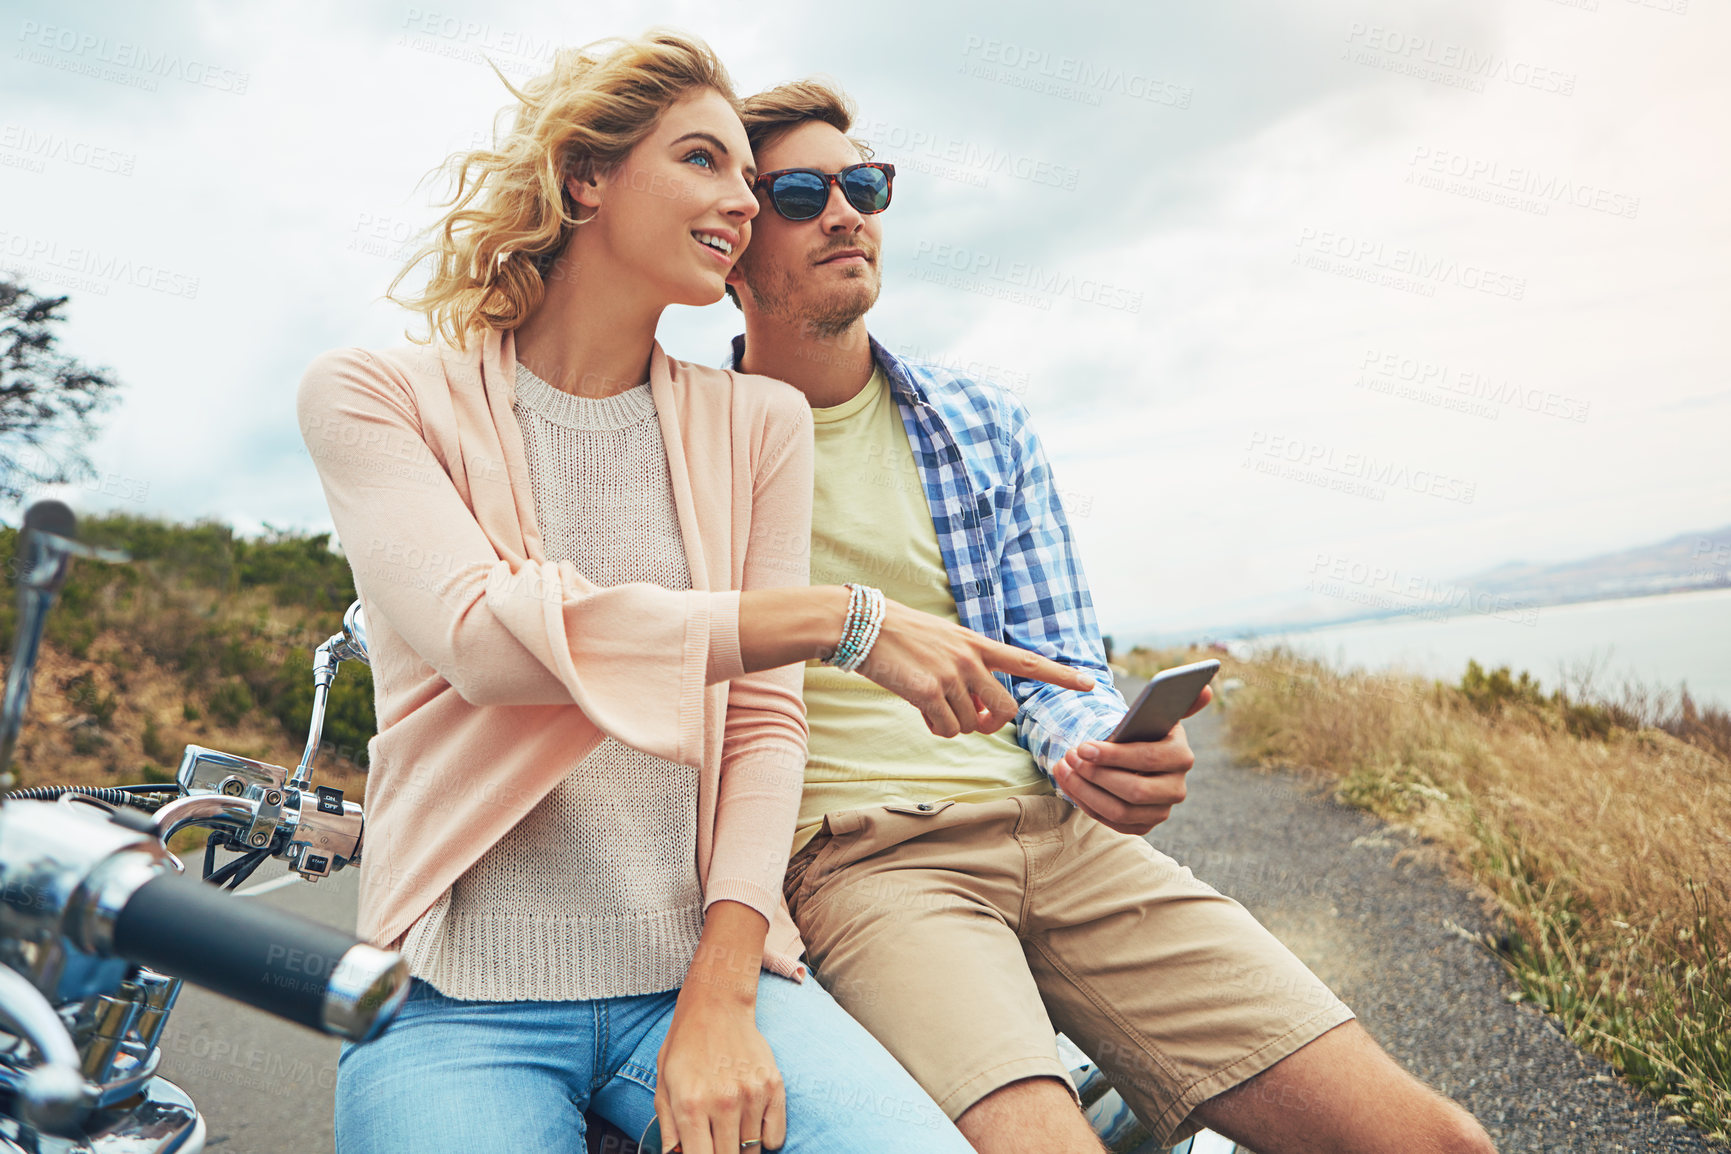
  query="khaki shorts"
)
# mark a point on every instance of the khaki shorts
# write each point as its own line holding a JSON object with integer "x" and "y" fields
{"x": 962, "y": 934}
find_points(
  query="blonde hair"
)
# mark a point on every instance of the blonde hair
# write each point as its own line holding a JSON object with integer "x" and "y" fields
{"x": 510, "y": 214}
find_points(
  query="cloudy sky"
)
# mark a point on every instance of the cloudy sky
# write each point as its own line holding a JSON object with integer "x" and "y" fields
{"x": 1287, "y": 284}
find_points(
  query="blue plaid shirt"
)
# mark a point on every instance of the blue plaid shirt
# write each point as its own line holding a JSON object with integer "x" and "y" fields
{"x": 1013, "y": 569}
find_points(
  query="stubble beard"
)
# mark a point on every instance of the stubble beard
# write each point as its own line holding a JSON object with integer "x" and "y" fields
{"x": 823, "y": 318}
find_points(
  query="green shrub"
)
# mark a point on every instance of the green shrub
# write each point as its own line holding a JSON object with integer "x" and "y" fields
{"x": 88, "y": 740}
{"x": 1586, "y": 719}
{"x": 196, "y": 600}
{"x": 155, "y": 747}
{"x": 81, "y": 691}
{"x": 1498, "y": 690}
{"x": 298, "y": 570}
{"x": 230, "y": 702}
{"x": 349, "y": 722}
{"x": 201, "y": 554}
{"x": 1490, "y": 692}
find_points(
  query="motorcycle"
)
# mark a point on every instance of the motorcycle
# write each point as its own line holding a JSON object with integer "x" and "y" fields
{"x": 97, "y": 932}
{"x": 1117, "y": 1127}
{"x": 98, "y": 927}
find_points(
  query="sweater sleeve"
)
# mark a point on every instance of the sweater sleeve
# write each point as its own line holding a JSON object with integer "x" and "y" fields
{"x": 634, "y": 658}
{"x": 764, "y": 743}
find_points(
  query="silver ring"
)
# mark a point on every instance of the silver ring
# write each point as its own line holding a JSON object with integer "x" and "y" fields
{"x": 750, "y": 1142}
{"x": 645, "y": 1136}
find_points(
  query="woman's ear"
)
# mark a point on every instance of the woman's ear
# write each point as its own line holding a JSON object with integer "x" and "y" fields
{"x": 586, "y": 191}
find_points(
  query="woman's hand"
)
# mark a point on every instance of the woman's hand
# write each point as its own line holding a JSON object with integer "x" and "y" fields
{"x": 717, "y": 1083}
{"x": 945, "y": 671}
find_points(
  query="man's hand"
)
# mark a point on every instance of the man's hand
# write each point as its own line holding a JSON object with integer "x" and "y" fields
{"x": 1130, "y": 787}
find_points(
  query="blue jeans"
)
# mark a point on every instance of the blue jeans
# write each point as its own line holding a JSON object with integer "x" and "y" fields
{"x": 476, "y": 1077}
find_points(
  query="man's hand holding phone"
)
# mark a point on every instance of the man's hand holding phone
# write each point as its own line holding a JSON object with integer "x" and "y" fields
{"x": 1132, "y": 785}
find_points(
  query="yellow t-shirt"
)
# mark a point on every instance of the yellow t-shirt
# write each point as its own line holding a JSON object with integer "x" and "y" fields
{"x": 871, "y": 525}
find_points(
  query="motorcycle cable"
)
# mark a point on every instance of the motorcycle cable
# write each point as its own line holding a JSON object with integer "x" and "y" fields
{"x": 248, "y": 865}
{"x": 134, "y": 796}
{"x": 235, "y": 873}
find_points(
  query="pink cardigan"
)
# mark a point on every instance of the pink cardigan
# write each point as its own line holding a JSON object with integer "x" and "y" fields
{"x": 496, "y": 670}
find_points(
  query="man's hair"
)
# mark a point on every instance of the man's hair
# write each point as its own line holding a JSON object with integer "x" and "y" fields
{"x": 775, "y": 112}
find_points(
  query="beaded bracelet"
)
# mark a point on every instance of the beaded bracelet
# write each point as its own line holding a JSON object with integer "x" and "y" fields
{"x": 860, "y": 629}
{"x": 854, "y": 627}
{"x": 874, "y": 626}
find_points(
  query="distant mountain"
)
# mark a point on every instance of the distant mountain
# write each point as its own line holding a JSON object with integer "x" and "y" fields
{"x": 1681, "y": 564}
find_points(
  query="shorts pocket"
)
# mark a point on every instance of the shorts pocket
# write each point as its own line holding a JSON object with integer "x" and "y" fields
{"x": 793, "y": 881}
{"x": 919, "y": 809}
{"x": 818, "y": 866}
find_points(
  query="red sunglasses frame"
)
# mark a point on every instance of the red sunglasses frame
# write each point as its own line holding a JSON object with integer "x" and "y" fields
{"x": 830, "y": 179}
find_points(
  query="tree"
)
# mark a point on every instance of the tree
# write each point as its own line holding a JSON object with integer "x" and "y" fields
{"x": 47, "y": 398}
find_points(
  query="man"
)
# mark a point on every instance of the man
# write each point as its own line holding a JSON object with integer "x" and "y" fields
{"x": 949, "y": 896}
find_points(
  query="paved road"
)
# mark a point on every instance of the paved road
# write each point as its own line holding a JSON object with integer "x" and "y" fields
{"x": 264, "y": 1086}
{"x": 1334, "y": 884}
{"x": 1376, "y": 922}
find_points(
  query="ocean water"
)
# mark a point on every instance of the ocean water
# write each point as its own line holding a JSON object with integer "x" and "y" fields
{"x": 1658, "y": 641}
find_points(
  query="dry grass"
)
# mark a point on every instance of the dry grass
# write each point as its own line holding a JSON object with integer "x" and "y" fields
{"x": 1607, "y": 847}
{"x": 118, "y": 717}
{"x": 202, "y": 638}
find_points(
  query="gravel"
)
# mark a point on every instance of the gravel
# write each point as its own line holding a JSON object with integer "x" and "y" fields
{"x": 1377, "y": 917}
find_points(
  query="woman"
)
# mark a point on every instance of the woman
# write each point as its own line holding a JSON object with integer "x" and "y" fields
{"x": 585, "y": 575}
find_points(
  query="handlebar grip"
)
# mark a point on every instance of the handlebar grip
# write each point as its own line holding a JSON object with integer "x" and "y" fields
{"x": 275, "y": 961}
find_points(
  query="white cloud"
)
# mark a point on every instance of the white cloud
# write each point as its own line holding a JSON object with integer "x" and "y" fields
{"x": 287, "y": 203}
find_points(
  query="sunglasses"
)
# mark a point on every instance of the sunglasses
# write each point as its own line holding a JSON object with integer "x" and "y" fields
{"x": 801, "y": 193}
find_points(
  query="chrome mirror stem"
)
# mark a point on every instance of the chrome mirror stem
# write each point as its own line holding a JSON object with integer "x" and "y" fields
{"x": 325, "y": 662}
{"x": 349, "y": 645}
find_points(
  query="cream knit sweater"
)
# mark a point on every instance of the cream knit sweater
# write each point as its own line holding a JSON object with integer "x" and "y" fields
{"x": 595, "y": 893}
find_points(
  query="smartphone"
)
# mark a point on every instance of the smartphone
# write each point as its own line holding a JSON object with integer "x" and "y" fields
{"x": 1164, "y": 701}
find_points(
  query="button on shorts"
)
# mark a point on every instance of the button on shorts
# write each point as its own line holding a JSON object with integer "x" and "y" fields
{"x": 963, "y": 935}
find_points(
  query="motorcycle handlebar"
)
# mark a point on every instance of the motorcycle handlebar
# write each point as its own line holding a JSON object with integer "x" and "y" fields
{"x": 275, "y": 961}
